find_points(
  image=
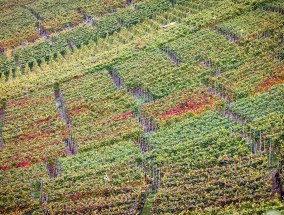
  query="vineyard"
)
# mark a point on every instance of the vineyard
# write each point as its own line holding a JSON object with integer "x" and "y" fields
{"x": 142, "y": 107}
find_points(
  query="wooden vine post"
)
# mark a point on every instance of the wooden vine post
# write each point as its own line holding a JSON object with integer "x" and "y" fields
{"x": 2, "y": 120}
{"x": 60, "y": 107}
{"x": 270, "y": 152}
{"x": 276, "y": 185}
{"x": 148, "y": 125}
{"x": 171, "y": 55}
{"x": 173, "y": 3}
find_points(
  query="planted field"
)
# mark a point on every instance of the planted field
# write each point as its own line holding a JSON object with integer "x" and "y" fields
{"x": 205, "y": 167}
{"x": 141, "y": 107}
{"x": 32, "y": 131}
{"x": 105, "y": 181}
{"x": 100, "y": 113}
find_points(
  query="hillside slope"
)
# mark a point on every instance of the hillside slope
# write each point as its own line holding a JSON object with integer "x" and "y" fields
{"x": 156, "y": 107}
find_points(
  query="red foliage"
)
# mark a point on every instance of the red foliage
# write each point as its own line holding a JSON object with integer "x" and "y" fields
{"x": 23, "y": 164}
{"x": 77, "y": 110}
{"x": 39, "y": 121}
{"x": 35, "y": 160}
{"x": 4, "y": 168}
{"x": 75, "y": 196}
{"x": 28, "y": 102}
{"x": 19, "y": 102}
{"x": 122, "y": 116}
{"x": 33, "y": 135}
{"x": 195, "y": 104}
{"x": 268, "y": 83}
{"x": 138, "y": 44}
{"x": 252, "y": 36}
{"x": 60, "y": 152}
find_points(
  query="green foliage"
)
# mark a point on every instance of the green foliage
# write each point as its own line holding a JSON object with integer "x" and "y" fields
{"x": 5, "y": 65}
{"x": 3, "y": 103}
{"x": 205, "y": 162}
